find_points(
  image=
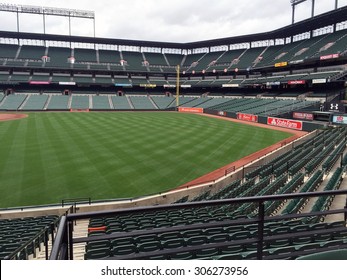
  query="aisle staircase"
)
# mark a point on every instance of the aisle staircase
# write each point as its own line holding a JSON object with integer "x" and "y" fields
{"x": 80, "y": 230}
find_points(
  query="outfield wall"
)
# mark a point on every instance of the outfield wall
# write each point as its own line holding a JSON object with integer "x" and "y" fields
{"x": 306, "y": 125}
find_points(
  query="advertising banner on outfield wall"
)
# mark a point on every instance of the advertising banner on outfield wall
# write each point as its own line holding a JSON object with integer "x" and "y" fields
{"x": 222, "y": 113}
{"x": 190, "y": 110}
{"x": 291, "y": 124}
{"x": 247, "y": 117}
{"x": 303, "y": 116}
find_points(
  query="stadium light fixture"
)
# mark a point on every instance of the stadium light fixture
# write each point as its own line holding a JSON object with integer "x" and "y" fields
{"x": 28, "y": 9}
{"x": 47, "y": 11}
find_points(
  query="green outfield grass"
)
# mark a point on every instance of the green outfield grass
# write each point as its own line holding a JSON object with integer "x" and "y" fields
{"x": 48, "y": 157}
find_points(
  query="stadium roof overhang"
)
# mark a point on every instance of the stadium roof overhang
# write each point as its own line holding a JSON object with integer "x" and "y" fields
{"x": 326, "y": 19}
{"x": 316, "y": 22}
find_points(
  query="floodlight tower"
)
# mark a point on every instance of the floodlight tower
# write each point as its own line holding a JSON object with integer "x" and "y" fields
{"x": 297, "y": 2}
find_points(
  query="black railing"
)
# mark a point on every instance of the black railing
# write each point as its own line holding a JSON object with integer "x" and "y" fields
{"x": 75, "y": 201}
{"x": 63, "y": 247}
{"x": 31, "y": 245}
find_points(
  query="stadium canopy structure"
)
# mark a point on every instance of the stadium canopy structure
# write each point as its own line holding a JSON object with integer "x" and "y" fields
{"x": 319, "y": 21}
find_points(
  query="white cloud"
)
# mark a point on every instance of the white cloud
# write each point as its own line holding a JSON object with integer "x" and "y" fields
{"x": 175, "y": 21}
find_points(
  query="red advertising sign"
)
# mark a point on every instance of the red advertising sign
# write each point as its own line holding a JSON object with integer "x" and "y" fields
{"x": 303, "y": 116}
{"x": 297, "y": 82}
{"x": 297, "y": 125}
{"x": 190, "y": 110}
{"x": 329, "y": 56}
{"x": 39, "y": 82}
{"x": 247, "y": 117}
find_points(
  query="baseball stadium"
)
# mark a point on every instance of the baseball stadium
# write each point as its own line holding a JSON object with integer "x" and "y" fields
{"x": 223, "y": 149}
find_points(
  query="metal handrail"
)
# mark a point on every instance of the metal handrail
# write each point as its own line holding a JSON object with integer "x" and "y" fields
{"x": 59, "y": 238}
{"x": 87, "y": 215}
{"x": 64, "y": 241}
{"x": 44, "y": 232}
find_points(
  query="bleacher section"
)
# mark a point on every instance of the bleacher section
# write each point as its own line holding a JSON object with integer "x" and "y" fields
{"x": 40, "y": 56}
{"x": 120, "y": 103}
{"x": 58, "y": 57}
{"x": 101, "y": 103}
{"x": 134, "y": 61}
{"x": 35, "y": 102}
{"x": 28, "y": 233}
{"x": 163, "y": 102}
{"x": 12, "y": 102}
{"x": 142, "y": 103}
{"x": 80, "y": 102}
{"x": 58, "y": 102}
{"x": 231, "y": 103}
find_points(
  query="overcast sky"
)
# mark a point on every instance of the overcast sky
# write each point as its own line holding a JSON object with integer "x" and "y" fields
{"x": 164, "y": 20}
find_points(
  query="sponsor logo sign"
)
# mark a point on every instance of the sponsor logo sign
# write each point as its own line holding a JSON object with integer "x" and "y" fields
{"x": 329, "y": 56}
{"x": 148, "y": 85}
{"x": 273, "y": 83}
{"x": 291, "y": 124}
{"x": 340, "y": 119}
{"x": 230, "y": 85}
{"x": 123, "y": 85}
{"x": 247, "y": 117}
{"x": 67, "y": 83}
{"x": 335, "y": 107}
{"x": 319, "y": 81}
{"x": 39, "y": 82}
{"x": 303, "y": 116}
{"x": 281, "y": 64}
{"x": 296, "y": 61}
{"x": 297, "y": 82}
{"x": 190, "y": 110}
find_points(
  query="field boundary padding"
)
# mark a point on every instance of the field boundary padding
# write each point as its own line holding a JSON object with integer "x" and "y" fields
{"x": 79, "y": 110}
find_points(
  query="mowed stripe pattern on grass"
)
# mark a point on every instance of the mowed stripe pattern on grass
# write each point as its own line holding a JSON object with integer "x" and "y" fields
{"x": 48, "y": 157}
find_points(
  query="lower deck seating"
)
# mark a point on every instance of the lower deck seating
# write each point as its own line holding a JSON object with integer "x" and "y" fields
{"x": 58, "y": 102}
{"x": 35, "y": 102}
{"x": 13, "y": 102}
{"x": 208, "y": 240}
{"x": 14, "y": 233}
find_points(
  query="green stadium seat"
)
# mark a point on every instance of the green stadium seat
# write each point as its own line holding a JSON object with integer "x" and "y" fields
{"x": 278, "y": 243}
{"x": 99, "y": 253}
{"x": 182, "y": 256}
{"x": 170, "y": 235}
{"x": 329, "y": 255}
{"x": 203, "y": 253}
{"x": 196, "y": 240}
{"x": 221, "y": 237}
{"x": 149, "y": 246}
{"x": 173, "y": 243}
{"x": 231, "y": 249}
{"x": 283, "y": 252}
{"x": 229, "y": 257}
{"x": 98, "y": 244}
{"x": 146, "y": 238}
{"x": 192, "y": 233}
{"x": 124, "y": 250}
